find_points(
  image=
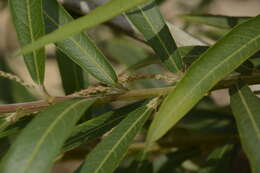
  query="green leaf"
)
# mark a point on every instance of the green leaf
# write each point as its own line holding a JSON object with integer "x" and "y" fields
{"x": 28, "y": 21}
{"x": 226, "y": 22}
{"x": 38, "y": 144}
{"x": 107, "y": 154}
{"x": 71, "y": 74}
{"x": 79, "y": 48}
{"x": 149, "y": 21}
{"x": 97, "y": 16}
{"x": 212, "y": 66}
{"x": 95, "y": 127}
{"x": 246, "y": 108}
{"x": 219, "y": 160}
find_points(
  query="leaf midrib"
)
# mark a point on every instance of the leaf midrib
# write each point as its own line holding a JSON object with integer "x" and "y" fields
{"x": 81, "y": 48}
{"x": 35, "y": 60}
{"x": 120, "y": 140}
{"x": 48, "y": 130}
{"x": 250, "y": 114}
{"x": 204, "y": 78}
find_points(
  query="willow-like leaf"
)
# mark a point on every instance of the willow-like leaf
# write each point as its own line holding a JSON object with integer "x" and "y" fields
{"x": 246, "y": 109}
{"x": 28, "y": 21}
{"x": 38, "y": 144}
{"x": 148, "y": 20}
{"x": 97, "y": 16}
{"x": 226, "y": 22}
{"x": 212, "y": 66}
{"x": 79, "y": 48}
{"x": 107, "y": 154}
{"x": 95, "y": 127}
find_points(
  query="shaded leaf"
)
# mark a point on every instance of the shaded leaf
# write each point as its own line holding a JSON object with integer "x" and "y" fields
{"x": 79, "y": 47}
{"x": 71, "y": 74}
{"x": 36, "y": 147}
{"x": 219, "y": 160}
{"x": 174, "y": 160}
{"x": 107, "y": 154}
{"x": 212, "y": 66}
{"x": 246, "y": 108}
{"x": 95, "y": 127}
{"x": 148, "y": 20}
{"x": 226, "y": 22}
{"x": 28, "y": 21}
{"x": 97, "y": 16}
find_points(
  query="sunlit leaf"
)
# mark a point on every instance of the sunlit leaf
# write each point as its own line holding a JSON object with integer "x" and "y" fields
{"x": 212, "y": 66}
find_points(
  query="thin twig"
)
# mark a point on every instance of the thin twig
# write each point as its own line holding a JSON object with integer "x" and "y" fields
{"x": 126, "y": 95}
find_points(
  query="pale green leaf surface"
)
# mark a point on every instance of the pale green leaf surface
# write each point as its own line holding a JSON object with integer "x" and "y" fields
{"x": 183, "y": 38}
{"x": 212, "y": 66}
{"x": 97, "y": 16}
{"x": 148, "y": 20}
{"x": 226, "y": 22}
{"x": 246, "y": 109}
{"x": 38, "y": 144}
{"x": 28, "y": 21}
{"x": 78, "y": 48}
{"x": 108, "y": 154}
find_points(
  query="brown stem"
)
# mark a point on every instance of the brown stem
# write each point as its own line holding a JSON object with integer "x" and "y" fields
{"x": 128, "y": 95}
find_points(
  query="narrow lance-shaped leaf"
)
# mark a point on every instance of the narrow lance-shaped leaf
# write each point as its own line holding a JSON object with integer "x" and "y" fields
{"x": 79, "y": 48}
{"x": 246, "y": 109}
{"x": 38, "y": 144}
{"x": 148, "y": 20}
{"x": 108, "y": 154}
{"x": 218, "y": 61}
{"x": 71, "y": 74}
{"x": 99, "y": 15}
{"x": 226, "y": 22}
{"x": 95, "y": 127}
{"x": 219, "y": 160}
{"x": 28, "y": 21}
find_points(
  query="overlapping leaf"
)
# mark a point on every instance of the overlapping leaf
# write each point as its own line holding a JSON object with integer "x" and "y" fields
{"x": 95, "y": 127}
{"x": 97, "y": 16}
{"x": 246, "y": 108}
{"x": 28, "y": 21}
{"x": 148, "y": 20}
{"x": 226, "y": 22}
{"x": 38, "y": 144}
{"x": 71, "y": 74}
{"x": 79, "y": 47}
{"x": 218, "y": 61}
{"x": 107, "y": 155}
